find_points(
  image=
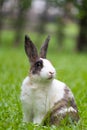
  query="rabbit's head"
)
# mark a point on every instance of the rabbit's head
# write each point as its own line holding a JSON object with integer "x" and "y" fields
{"x": 41, "y": 68}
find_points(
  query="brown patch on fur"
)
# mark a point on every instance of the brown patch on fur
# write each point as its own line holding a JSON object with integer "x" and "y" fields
{"x": 70, "y": 100}
{"x": 36, "y": 67}
{"x": 53, "y": 117}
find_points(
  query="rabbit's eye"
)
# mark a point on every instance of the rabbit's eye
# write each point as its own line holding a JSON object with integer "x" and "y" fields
{"x": 37, "y": 67}
{"x": 39, "y": 64}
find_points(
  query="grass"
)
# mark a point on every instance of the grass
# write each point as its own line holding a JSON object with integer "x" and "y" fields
{"x": 71, "y": 69}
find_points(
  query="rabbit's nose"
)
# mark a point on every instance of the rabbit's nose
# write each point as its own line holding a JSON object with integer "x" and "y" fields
{"x": 51, "y": 73}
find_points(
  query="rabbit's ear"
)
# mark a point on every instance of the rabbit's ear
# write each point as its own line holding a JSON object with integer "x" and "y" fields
{"x": 30, "y": 50}
{"x": 43, "y": 50}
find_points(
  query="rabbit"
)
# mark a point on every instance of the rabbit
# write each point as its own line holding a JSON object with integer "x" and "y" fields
{"x": 45, "y": 100}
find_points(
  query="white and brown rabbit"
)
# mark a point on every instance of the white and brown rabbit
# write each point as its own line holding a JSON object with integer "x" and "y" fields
{"x": 45, "y": 99}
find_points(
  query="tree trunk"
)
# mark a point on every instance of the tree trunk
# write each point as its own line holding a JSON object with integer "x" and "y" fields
{"x": 20, "y": 22}
{"x": 82, "y": 38}
{"x": 1, "y": 17}
{"x": 19, "y": 25}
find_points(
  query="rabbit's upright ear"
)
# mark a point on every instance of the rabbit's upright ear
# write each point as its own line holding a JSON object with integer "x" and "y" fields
{"x": 43, "y": 50}
{"x": 30, "y": 50}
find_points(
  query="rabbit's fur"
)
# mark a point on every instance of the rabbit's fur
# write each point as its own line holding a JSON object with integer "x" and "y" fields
{"x": 44, "y": 99}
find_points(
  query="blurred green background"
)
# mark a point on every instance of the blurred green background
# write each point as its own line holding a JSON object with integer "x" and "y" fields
{"x": 66, "y": 22}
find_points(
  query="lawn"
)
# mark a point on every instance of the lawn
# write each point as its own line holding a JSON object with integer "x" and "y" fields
{"x": 71, "y": 68}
